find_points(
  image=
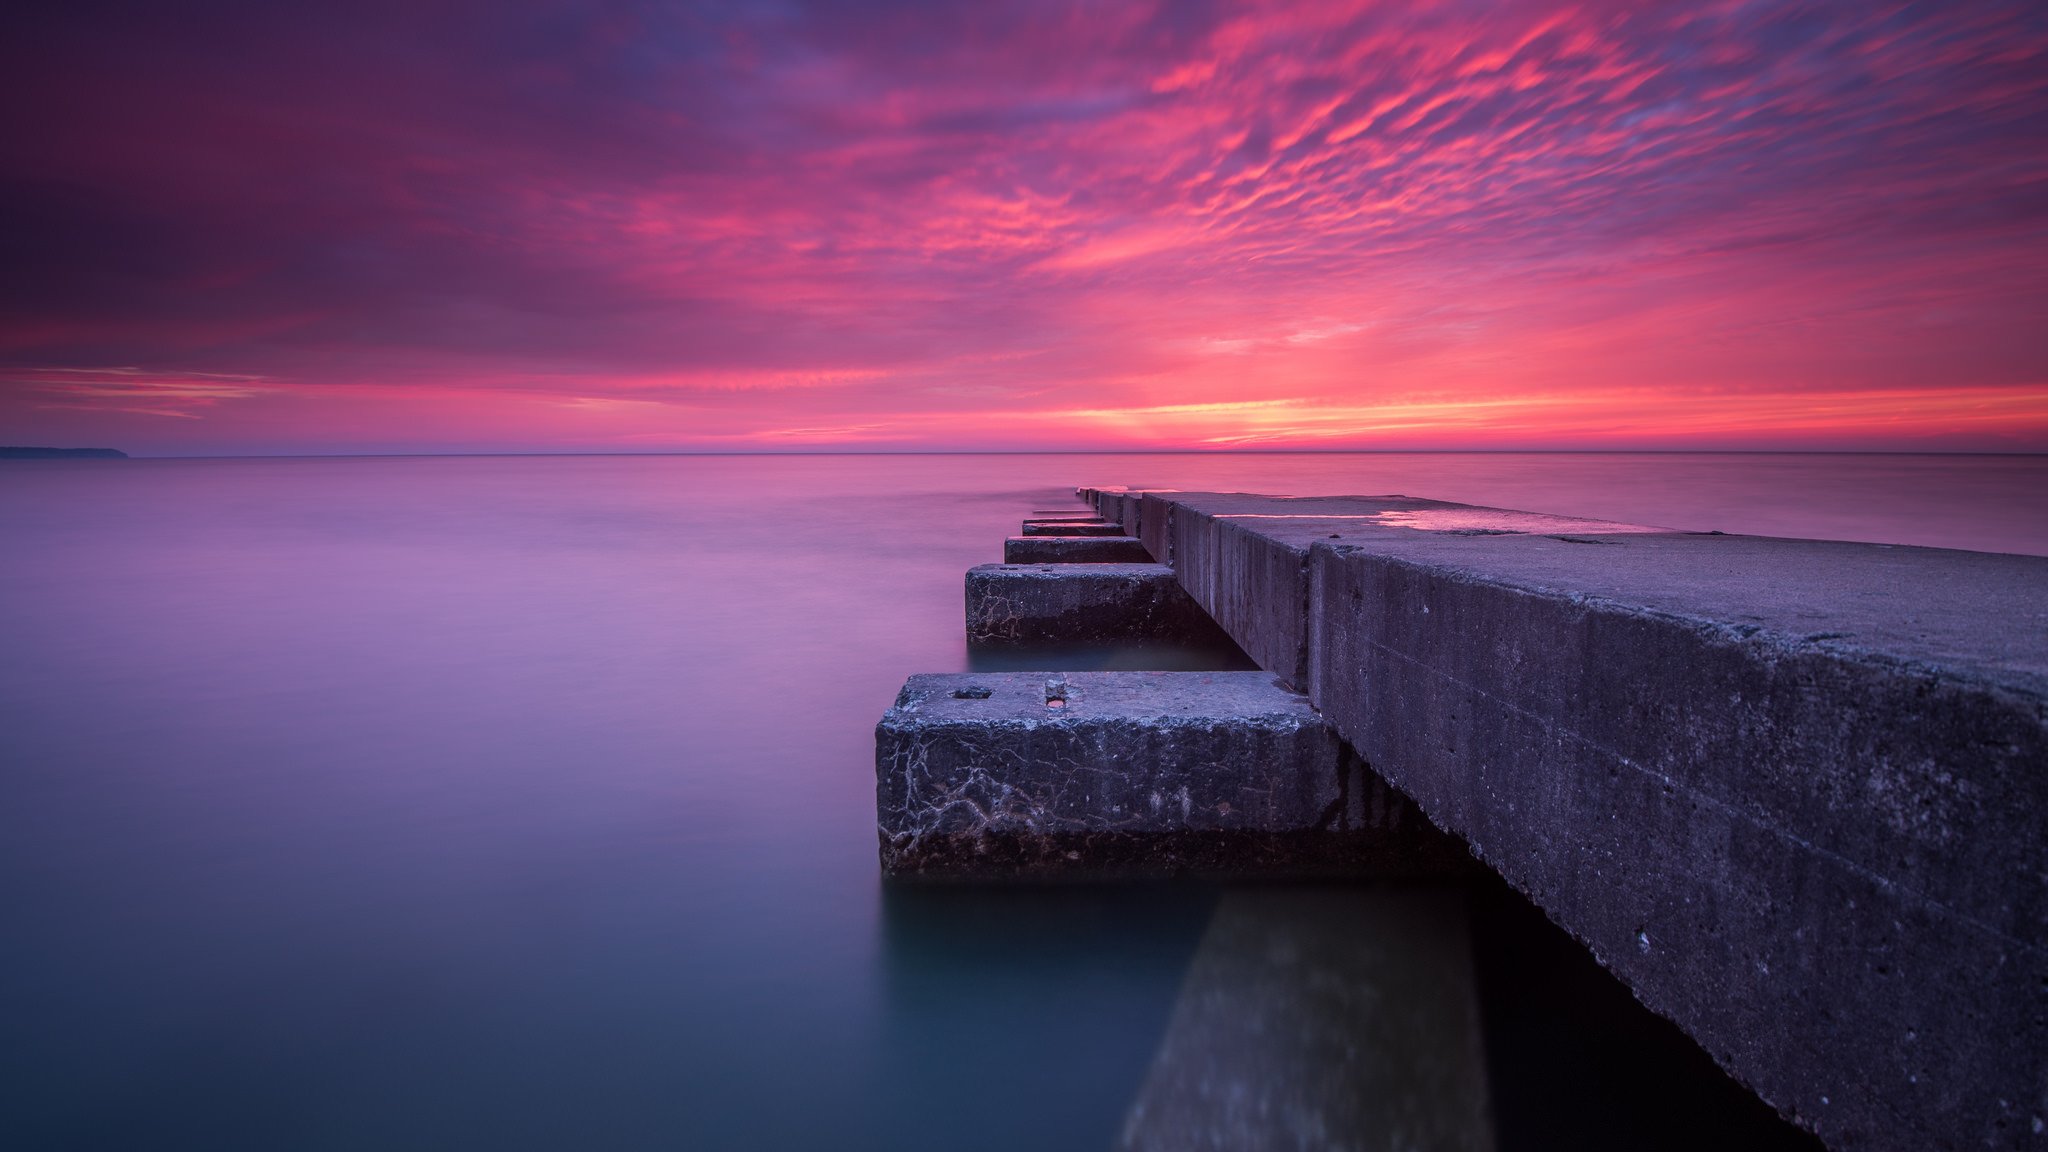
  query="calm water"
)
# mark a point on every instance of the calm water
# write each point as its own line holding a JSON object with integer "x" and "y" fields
{"x": 527, "y": 802}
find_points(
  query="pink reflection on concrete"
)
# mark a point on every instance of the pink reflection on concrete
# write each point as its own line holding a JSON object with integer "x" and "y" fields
{"x": 1492, "y": 520}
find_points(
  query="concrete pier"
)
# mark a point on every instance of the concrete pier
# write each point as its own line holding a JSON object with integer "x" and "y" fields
{"x": 1131, "y": 774}
{"x": 1009, "y": 605}
{"x": 1074, "y": 550}
{"x": 1792, "y": 792}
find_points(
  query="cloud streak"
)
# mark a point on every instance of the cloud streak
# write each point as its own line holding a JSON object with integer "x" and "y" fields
{"x": 1034, "y": 225}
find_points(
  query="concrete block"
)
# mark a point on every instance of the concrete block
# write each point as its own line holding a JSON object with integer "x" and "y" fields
{"x": 1155, "y": 525}
{"x": 1110, "y": 505}
{"x": 1074, "y": 550}
{"x": 1245, "y": 561}
{"x": 1101, "y": 774}
{"x": 1120, "y": 505}
{"x": 1022, "y": 604}
{"x": 1090, "y": 527}
{"x": 1244, "y": 558}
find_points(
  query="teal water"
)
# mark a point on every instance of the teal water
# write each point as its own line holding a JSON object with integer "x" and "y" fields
{"x": 527, "y": 802}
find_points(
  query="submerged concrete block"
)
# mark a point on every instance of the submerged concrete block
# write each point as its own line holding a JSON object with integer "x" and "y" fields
{"x": 1074, "y": 550}
{"x": 1019, "y": 604}
{"x": 1323, "y": 1018}
{"x": 1099, "y": 774}
{"x": 1089, "y": 527}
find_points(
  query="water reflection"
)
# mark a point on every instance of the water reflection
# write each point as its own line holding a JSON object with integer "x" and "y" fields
{"x": 969, "y": 973}
{"x": 1340, "y": 1017}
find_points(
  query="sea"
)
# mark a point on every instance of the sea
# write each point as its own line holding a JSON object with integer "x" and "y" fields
{"x": 527, "y": 802}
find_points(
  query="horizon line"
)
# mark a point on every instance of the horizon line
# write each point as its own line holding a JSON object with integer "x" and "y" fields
{"x": 1082, "y": 452}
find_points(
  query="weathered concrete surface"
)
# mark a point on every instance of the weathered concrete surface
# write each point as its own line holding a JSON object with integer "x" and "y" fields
{"x": 1022, "y": 775}
{"x": 1792, "y": 792}
{"x": 1090, "y": 527}
{"x": 1021, "y": 604}
{"x": 1110, "y": 503}
{"x": 1117, "y": 505}
{"x": 1126, "y": 506}
{"x": 1343, "y": 1018}
{"x": 1074, "y": 550}
{"x": 1155, "y": 524}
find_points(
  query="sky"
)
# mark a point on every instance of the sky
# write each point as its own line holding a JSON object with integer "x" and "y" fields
{"x": 1349, "y": 224}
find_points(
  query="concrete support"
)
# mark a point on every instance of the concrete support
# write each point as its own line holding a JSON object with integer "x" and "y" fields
{"x": 1336, "y": 1018}
{"x": 1022, "y": 604}
{"x": 1091, "y": 527}
{"x": 1124, "y": 506}
{"x": 1074, "y": 550}
{"x": 1791, "y": 792}
{"x": 1131, "y": 774}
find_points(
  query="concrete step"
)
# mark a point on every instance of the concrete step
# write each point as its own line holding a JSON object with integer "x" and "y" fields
{"x": 1090, "y": 527}
{"x": 1011, "y": 605}
{"x": 1091, "y": 775}
{"x": 1074, "y": 550}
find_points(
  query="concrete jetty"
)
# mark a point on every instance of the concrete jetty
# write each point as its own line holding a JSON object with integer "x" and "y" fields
{"x": 1131, "y": 774}
{"x": 1793, "y": 793}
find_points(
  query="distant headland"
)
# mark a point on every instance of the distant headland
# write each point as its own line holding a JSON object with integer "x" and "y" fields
{"x": 17, "y": 453}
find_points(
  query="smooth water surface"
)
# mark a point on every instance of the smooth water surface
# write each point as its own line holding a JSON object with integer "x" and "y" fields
{"x": 528, "y": 802}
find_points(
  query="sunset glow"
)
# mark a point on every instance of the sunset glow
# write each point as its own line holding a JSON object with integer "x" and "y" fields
{"x": 586, "y": 226}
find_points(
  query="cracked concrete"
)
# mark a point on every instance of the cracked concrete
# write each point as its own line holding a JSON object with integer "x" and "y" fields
{"x": 1029, "y": 775}
{"x": 1074, "y": 550}
{"x": 1024, "y": 604}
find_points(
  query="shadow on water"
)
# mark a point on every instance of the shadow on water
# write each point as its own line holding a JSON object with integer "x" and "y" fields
{"x": 1235, "y": 1016}
{"x": 1219, "y": 655}
{"x": 1576, "y": 1062}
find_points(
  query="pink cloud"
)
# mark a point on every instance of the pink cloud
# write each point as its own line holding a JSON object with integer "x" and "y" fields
{"x": 1037, "y": 226}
